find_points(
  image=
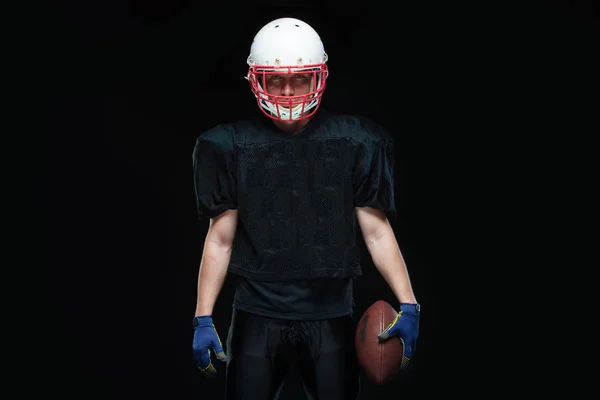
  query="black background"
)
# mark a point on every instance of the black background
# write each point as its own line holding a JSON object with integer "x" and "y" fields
{"x": 455, "y": 86}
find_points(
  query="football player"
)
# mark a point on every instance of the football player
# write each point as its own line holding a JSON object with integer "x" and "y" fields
{"x": 285, "y": 193}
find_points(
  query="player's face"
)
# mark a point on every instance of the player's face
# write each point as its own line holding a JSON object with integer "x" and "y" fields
{"x": 289, "y": 85}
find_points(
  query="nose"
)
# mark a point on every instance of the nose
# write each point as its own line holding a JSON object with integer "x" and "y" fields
{"x": 287, "y": 89}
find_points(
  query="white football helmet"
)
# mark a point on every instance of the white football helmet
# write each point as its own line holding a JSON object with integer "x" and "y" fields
{"x": 287, "y": 46}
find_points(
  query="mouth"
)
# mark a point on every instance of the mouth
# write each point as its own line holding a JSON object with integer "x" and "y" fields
{"x": 288, "y": 105}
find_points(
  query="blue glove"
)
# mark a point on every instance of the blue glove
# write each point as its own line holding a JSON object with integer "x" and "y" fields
{"x": 406, "y": 327}
{"x": 206, "y": 339}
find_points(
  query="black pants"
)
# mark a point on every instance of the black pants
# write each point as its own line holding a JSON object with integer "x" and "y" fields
{"x": 262, "y": 350}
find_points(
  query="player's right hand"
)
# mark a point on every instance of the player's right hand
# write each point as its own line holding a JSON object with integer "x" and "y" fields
{"x": 206, "y": 340}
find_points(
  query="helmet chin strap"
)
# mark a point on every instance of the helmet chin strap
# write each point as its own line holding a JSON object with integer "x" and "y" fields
{"x": 285, "y": 113}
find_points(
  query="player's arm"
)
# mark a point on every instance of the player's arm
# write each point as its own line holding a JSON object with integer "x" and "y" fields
{"x": 387, "y": 257}
{"x": 385, "y": 252}
{"x": 215, "y": 260}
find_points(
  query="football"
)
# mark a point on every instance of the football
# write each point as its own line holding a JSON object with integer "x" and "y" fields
{"x": 379, "y": 361}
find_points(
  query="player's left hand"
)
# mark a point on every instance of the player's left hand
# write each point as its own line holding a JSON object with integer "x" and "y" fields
{"x": 406, "y": 327}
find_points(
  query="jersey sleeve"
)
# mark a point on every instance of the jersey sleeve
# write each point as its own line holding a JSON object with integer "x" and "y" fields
{"x": 213, "y": 162}
{"x": 374, "y": 171}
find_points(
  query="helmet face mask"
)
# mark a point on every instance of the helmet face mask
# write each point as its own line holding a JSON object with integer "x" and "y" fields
{"x": 288, "y": 108}
{"x": 287, "y": 47}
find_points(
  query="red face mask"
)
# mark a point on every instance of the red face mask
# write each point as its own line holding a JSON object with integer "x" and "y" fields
{"x": 290, "y": 101}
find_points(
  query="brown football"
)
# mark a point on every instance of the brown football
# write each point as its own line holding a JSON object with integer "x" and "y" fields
{"x": 378, "y": 360}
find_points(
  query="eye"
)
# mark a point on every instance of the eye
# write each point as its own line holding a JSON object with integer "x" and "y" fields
{"x": 274, "y": 77}
{"x": 300, "y": 77}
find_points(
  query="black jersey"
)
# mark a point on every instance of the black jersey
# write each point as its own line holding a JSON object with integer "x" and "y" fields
{"x": 295, "y": 194}
{"x": 303, "y": 299}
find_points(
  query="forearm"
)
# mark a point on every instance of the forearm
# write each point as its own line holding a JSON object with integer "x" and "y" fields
{"x": 388, "y": 260}
{"x": 213, "y": 269}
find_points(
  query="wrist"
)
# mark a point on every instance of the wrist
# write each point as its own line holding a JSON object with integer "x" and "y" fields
{"x": 414, "y": 308}
{"x": 202, "y": 320}
{"x": 203, "y": 311}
